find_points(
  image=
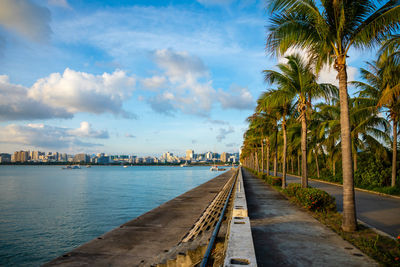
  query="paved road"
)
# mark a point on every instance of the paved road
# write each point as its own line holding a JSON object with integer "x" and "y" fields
{"x": 378, "y": 211}
{"x": 285, "y": 235}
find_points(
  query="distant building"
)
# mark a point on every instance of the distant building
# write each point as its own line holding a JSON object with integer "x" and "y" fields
{"x": 5, "y": 158}
{"x": 20, "y": 156}
{"x": 81, "y": 158}
{"x": 225, "y": 157}
{"x": 189, "y": 154}
{"x": 209, "y": 156}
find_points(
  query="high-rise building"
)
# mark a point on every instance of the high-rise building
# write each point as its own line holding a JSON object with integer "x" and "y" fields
{"x": 189, "y": 154}
{"x": 81, "y": 158}
{"x": 225, "y": 157}
{"x": 20, "y": 156}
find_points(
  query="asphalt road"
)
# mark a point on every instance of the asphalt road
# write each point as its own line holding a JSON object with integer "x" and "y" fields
{"x": 380, "y": 212}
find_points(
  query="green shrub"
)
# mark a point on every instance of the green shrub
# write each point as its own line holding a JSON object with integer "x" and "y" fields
{"x": 291, "y": 189}
{"x": 311, "y": 198}
{"x": 274, "y": 180}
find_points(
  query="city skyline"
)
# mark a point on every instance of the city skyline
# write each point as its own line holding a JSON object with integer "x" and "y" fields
{"x": 143, "y": 76}
{"x": 36, "y": 156}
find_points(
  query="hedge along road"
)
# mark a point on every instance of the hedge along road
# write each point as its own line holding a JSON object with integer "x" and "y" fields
{"x": 380, "y": 212}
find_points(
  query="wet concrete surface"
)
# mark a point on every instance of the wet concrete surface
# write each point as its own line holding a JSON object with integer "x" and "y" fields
{"x": 284, "y": 235}
{"x": 139, "y": 241}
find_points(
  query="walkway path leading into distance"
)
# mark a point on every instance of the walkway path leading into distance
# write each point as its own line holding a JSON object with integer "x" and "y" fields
{"x": 285, "y": 235}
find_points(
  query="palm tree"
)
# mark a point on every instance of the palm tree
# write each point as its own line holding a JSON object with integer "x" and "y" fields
{"x": 382, "y": 89}
{"x": 284, "y": 109}
{"x": 297, "y": 85}
{"x": 262, "y": 123}
{"x": 272, "y": 135}
{"x": 327, "y": 30}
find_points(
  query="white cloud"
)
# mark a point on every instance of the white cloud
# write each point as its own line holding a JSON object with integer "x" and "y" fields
{"x": 86, "y": 131}
{"x": 329, "y": 74}
{"x": 238, "y": 98}
{"x": 180, "y": 65}
{"x": 224, "y": 132}
{"x": 50, "y": 137}
{"x": 219, "y": 122}
{"x": 189, "y": 88}
{"x": 63, "y": 95}
{"x": 16, "y": 105}
{"x": 27, "y": 18}
{"x": 154, "y": 82}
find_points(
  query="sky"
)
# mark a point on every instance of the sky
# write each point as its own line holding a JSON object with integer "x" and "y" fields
{"x": 133, "y": 77}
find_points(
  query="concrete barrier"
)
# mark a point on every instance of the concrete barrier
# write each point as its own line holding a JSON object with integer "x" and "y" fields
{"x": 240, "y": 249}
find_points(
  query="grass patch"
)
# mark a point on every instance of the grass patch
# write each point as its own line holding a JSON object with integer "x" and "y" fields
{"x": 384, "y": 250}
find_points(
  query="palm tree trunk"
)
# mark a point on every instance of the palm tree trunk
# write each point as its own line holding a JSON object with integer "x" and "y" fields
{"x": 316, "y": 162}
{"x": 304, "y": 180}
{"x": 298, "y": 164}
{"x": 292, "y": 164}
{"x": 257, "y": 163}
{"x": 276, "y": 154}
{"x": 334, "y": 167}
{"x": 394, "y": 158}
{"x": 349, "y": 209}
{"x": 262, "y": 155}
{"x": 284, "y": 154}
{"x": 268, "y": 157}
{"x": 355, "y": 161}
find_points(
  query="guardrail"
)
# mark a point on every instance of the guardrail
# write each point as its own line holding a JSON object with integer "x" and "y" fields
{"x": 240, "y": 250}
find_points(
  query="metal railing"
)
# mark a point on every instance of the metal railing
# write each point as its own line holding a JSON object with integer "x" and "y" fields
{"x": 218, "y": 225}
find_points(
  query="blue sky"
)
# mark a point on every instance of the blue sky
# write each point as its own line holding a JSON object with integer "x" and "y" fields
{"x": 132, "y": 77}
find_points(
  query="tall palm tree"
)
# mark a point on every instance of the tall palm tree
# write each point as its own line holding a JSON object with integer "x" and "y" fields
{"x": 297, "y": 85}
{"x": 383, "y": 90}
{"x": 284, "y": 109}
{"x": 327, "y": 30}
{"x": 272, "y": 116}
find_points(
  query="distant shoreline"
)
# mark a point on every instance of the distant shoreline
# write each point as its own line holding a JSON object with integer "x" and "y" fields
{"x": 109, "y": 164}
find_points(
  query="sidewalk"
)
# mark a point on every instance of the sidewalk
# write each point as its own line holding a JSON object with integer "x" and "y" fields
{"x": 284, "y": 235}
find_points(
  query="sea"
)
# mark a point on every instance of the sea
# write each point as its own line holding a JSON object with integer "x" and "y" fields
{"x": 46, "y": 211}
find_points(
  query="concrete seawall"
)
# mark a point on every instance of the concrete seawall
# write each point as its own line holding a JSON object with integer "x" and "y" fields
{"x": 141, "y": 241}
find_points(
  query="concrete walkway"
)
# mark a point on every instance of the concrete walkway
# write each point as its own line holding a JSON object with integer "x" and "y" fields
{"x": 284, "y": 235}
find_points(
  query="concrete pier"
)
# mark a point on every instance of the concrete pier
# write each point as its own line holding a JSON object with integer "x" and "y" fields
{"x": 140, "y": 241}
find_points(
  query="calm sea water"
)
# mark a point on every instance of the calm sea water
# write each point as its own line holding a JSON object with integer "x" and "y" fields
{"x": 46, "y": 211}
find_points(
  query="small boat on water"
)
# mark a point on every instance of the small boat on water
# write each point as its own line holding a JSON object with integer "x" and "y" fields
{"x": 88, "y": 166}
{"x": 125, "y": 166}
{"x": 214, "y": 168}
{"x": 73, "y": 167}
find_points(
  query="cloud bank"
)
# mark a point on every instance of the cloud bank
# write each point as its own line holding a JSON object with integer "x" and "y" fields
{"x": 50, "y": 137}
{"x": 185, "y": 85}
{"x": 63, "y": 95}
{"x": 27, "y": 18}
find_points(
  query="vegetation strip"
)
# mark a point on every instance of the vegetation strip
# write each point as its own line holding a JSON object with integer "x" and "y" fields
{"x": 381, "y": 248}
{"x": 356, "y": 188}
